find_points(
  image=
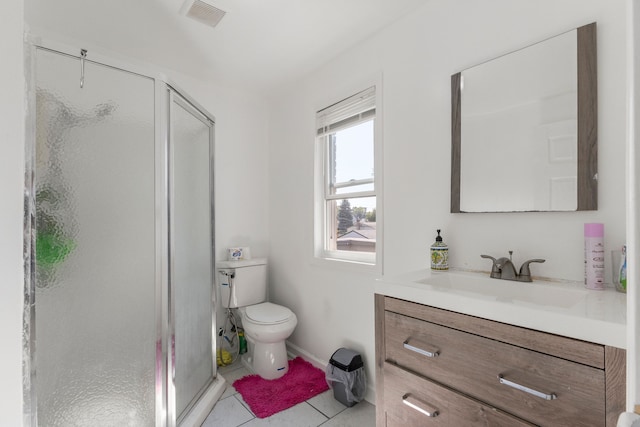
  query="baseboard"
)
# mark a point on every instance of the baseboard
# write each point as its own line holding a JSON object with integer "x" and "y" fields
{"x": 293, "y": 351}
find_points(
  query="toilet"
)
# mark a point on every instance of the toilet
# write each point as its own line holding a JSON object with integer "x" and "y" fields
{"x": 243, "y": 285}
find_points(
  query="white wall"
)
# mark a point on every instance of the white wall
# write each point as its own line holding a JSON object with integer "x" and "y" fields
{"x": 11, "y": 185}
{"x": 416, "y": 57}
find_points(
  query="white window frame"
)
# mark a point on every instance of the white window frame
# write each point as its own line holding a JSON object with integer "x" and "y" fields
{"x": 346, "y": 113}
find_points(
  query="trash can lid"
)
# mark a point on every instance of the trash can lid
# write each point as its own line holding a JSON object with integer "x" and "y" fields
{"x": 346, "y": 359}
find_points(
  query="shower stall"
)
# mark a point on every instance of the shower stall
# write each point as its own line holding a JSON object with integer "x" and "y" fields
{"x": 119, "y": 237}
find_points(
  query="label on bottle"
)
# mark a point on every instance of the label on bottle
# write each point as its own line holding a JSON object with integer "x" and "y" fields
{"x": 594, "y": 263}
{"x": 439, "y": 258}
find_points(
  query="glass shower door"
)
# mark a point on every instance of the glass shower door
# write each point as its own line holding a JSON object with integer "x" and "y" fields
{"x": 95, "y": 317}
{"x": 190, "y": 154}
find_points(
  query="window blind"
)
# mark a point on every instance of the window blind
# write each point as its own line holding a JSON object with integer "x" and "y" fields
{"x": 348, "y": 112}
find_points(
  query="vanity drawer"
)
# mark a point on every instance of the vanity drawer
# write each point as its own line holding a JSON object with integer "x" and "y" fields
{"x": 558, "y": 392}
{"x": 414, "y": 401}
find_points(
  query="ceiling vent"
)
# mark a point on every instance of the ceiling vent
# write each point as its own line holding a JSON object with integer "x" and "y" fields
{"x": 202, "y": 12}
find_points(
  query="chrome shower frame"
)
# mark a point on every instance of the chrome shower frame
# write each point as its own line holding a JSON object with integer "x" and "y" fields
{"x": 165, "y": 90}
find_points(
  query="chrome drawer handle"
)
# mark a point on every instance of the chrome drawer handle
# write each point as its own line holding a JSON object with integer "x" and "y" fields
{"x": 418, "y": 405}
{"x": 423, "y": 349}
{"x": 546, "y": 396}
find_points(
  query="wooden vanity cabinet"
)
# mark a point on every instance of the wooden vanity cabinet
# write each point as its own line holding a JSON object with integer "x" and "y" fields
{"x": 437, "y": 367}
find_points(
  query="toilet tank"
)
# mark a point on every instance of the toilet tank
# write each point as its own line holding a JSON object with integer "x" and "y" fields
{"x": 243, "y": 282}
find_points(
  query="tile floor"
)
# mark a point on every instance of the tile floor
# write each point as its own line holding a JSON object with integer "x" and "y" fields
{"x": 322, "y": 410}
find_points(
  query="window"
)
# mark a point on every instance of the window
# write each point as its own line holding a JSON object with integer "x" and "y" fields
{"x": 346, "y": 180}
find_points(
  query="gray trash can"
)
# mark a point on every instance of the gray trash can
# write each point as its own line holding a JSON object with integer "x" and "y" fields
{"x": 345, "y": 374}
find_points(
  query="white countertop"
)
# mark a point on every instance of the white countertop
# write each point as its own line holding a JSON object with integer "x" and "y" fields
{"x": 556, "y": 307}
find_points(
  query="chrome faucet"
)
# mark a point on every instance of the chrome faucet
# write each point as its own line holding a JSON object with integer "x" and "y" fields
{"x": 503, "y": 268}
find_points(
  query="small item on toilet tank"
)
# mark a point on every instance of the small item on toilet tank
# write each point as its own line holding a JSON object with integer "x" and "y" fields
{"x": 238, "y": 253}
{"x": 594, "y": 256}
{"x": 439, "y": 254}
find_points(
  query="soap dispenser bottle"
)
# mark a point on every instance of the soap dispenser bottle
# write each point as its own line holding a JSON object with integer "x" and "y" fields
{"x": 439, "y": 254}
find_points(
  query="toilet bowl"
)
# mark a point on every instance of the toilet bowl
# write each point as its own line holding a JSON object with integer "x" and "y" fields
{"x": 266, "y": 327}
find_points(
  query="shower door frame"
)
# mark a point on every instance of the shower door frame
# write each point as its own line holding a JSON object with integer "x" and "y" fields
{"x": 163, "y": 86}
{"x": 170, "y": 96}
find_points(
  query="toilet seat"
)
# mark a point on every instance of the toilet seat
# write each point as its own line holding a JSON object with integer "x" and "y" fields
{"x": 267, "y": 313}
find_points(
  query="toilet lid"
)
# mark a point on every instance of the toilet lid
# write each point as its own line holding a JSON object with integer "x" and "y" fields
{"x": 268, "y": 313}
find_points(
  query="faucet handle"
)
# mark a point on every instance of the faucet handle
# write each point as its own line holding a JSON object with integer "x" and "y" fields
{"x": 525, "y": 272}
{"x": 495, "y": 271}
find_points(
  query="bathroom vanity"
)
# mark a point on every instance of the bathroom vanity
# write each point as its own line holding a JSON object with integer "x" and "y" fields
{"x": 447, "y": 355}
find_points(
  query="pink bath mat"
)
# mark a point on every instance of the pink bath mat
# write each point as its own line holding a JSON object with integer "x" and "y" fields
{"x": 267, "y": 397}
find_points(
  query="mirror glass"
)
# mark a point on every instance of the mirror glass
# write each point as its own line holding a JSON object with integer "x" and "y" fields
{"x": 516, "y": 122}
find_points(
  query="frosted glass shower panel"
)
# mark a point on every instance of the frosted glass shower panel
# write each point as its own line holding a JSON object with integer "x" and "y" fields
{"x": 95, "y": 245}
{"x": 192, "y": 281}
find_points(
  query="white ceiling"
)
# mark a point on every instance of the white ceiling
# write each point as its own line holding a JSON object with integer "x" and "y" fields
{"x": 259, "y": 44}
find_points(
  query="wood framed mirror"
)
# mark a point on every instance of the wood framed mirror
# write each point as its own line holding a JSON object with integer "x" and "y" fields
{"x": 524, "y": 129}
